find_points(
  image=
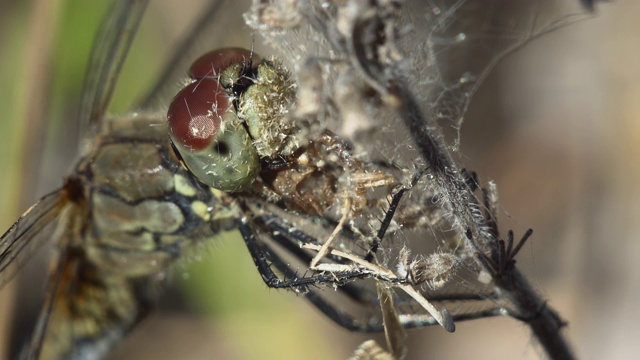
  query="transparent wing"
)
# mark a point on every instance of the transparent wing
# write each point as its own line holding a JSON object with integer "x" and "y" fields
{"x": 107, "y": 57}
{"x": 185, "y": 51}
{"x": 28, "y": 234}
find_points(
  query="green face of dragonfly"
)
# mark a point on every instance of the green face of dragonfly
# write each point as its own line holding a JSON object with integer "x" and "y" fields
{"x": 230, "y": 116}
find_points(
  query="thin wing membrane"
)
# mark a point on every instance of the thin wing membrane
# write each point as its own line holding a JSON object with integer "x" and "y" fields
{"x": 26, "y": 235}
{"x": 107, "y": 57}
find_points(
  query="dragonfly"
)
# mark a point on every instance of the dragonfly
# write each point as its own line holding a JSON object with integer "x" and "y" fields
{"x": 230, "y": 153}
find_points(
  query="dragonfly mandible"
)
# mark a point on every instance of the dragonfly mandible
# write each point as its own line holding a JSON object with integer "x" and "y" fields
{"x": 231, "y": 153}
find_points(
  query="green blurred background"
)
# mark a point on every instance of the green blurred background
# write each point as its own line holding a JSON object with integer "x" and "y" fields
{"x": 556, "y": 125}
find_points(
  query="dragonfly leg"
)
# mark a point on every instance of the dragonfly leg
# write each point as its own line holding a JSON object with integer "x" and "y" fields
{"x": 265, "y": 260}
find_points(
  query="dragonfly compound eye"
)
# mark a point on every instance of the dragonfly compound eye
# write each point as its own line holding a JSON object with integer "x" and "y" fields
{"x": 263, "y": 92}
{"x": 225, "y": 65}
{"x": 210, "y": 138}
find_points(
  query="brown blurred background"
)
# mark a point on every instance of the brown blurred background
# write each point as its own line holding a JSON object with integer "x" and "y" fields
{"x": 556, "y": 125}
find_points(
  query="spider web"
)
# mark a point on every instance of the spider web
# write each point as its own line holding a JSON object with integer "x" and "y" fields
{"x": 443, "y": 50}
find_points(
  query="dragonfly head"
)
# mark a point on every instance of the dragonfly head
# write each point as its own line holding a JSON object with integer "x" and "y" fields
{"x": 231, "y": 115}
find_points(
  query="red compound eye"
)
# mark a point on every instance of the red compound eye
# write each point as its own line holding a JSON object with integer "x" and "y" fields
{"x": 194, "y": 114}
{"x": 215, "y": 62}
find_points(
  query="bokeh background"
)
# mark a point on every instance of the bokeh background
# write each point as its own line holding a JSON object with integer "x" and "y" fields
{"x": 556, "y": 125}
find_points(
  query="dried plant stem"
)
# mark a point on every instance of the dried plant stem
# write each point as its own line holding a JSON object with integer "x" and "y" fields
{"x": 427, "y": 136}
{"x": 364, "y": 36}
{"x": 545, "y": 323}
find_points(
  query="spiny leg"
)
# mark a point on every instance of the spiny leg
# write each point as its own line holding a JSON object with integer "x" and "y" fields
{"x": 264, "y": 259}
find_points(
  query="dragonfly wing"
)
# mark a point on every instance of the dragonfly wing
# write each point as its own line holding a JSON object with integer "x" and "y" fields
{"x": 28, "y": 234}
{"x": 107, "y": 57}
{"x": 185, "y": 51}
